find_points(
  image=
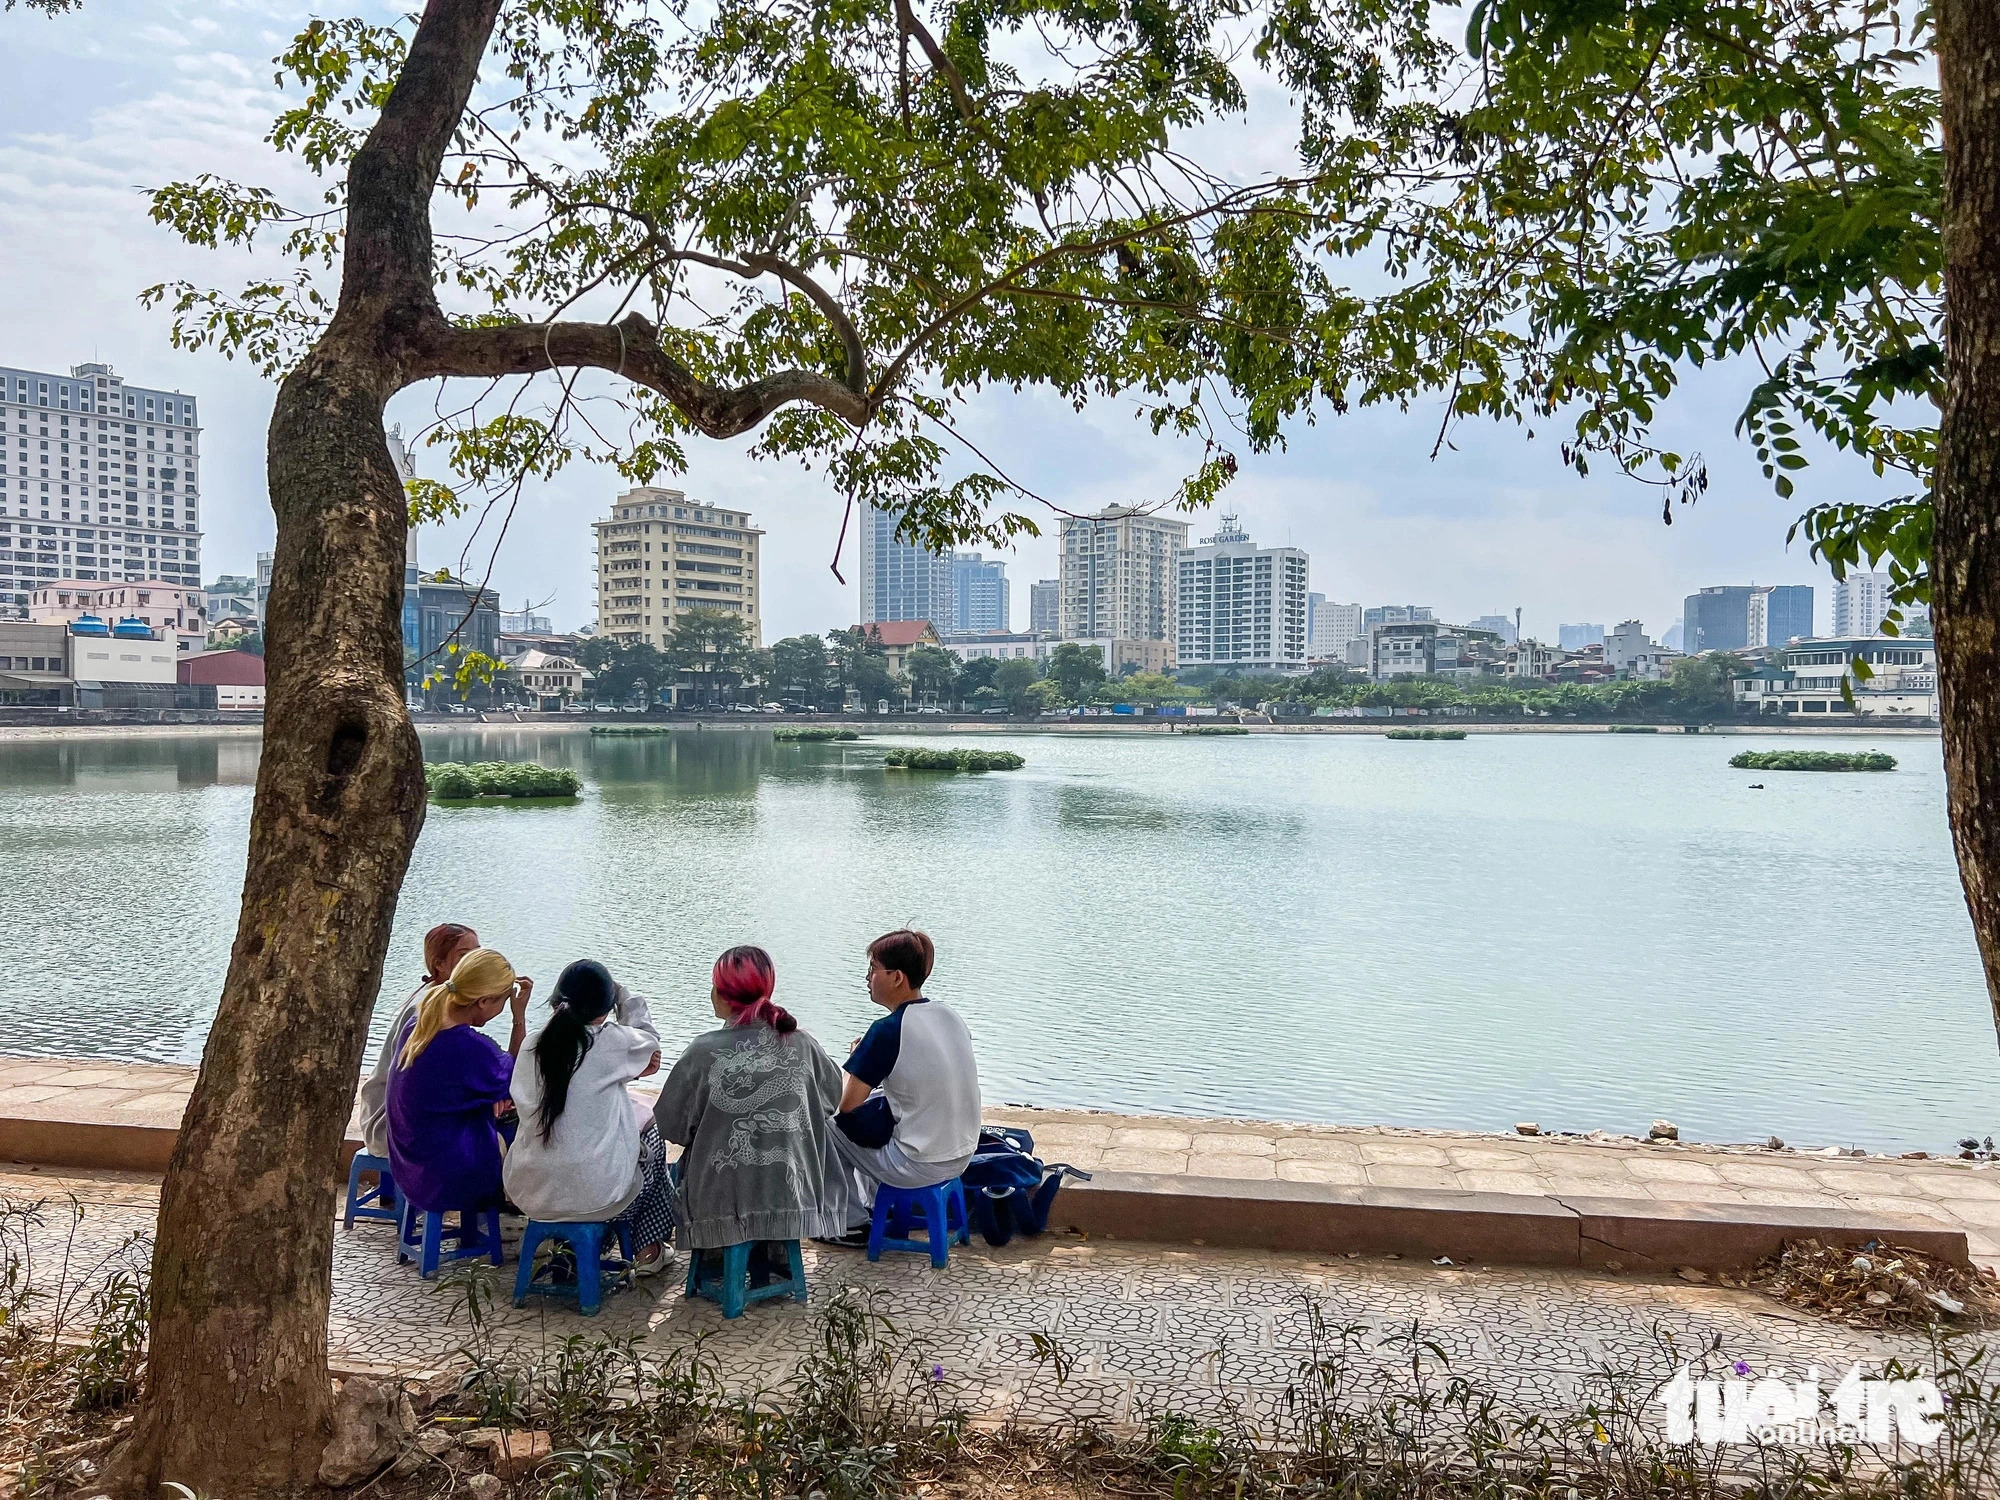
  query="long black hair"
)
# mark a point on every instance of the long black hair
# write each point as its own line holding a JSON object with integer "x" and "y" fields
{"x": 584, "y": 991}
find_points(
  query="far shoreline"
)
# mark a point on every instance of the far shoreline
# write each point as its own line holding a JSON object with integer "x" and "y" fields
{"x": 1154, "y": 728}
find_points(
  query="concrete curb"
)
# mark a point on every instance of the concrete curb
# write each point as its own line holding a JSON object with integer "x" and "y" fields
{"x": 1486, "y": 1228}
{"x": 1471, "y": 1227}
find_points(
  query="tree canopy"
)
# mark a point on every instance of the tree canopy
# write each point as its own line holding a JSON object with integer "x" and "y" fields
{"x": 831, "y": 225}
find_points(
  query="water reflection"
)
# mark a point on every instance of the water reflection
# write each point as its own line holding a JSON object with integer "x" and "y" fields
{"x": 1511, "y": 927}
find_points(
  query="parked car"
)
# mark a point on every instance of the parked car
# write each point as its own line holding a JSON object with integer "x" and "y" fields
{"x": 930, "y": 710}
{"x": 993, "y": 713}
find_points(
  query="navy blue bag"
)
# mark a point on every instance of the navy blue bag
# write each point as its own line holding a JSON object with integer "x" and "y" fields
{"x": 1007, "y": 1189}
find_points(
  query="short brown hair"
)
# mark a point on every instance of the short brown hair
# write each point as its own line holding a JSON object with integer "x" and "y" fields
{"x": 906, "y": 951}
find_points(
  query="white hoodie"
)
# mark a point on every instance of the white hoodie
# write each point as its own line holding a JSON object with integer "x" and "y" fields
{"x": 587, "y": 1171}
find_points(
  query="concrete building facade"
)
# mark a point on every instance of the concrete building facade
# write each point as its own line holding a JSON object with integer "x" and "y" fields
{"x": 1118, "y": 576}
{"x": 98, "y": 480}
{"x": 1860, "y": 603}
{"x": 1333, "y": 626}
{"x": 1241, "y": 607}
{"x": 660, "y": 554}
{"x": 1807, "y": 678}
{"x": 178, "y": 611}
{"x": 1045, "y": 606}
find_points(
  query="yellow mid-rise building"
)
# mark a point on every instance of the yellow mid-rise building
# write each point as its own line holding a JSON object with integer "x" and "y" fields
{"x": 661, "y": 554}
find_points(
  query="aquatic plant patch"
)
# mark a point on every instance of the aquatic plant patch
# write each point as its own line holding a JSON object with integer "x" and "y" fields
{"x": 460, "y": 781}
{"x": 953, "y": 760}
{"x": 1424, "y": 734}
{"x": 1813, "y": 760}
{"x": 812, "y": 734}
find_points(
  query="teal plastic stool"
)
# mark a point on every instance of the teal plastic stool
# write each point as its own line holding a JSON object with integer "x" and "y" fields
{"x": 724, "y": 1276}
{"x": 940, "y": 1210}
{"x": 587, "y": 1241}
{"x": 379, "y": 1202}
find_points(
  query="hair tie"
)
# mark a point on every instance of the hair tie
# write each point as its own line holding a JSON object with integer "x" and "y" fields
{"x": 450, "y": 988}
{"x": 559, "y": 1005}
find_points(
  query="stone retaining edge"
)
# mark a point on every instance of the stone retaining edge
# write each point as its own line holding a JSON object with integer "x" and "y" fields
{"x": 1470, "y": 1227}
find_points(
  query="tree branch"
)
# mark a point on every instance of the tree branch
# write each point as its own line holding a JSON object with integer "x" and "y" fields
{"x": 386, "y": 274}
{"x": 750, "y": 267}
{"x": 631, "y": 349}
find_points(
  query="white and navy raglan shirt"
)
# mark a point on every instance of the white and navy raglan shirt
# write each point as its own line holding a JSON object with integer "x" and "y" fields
{"x": 919, "y": 1057}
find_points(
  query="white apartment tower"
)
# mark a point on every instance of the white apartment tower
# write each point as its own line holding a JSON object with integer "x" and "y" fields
{"x": 1860, "y": 601}
{"x": 1117, "y": 574}
{"x": 1242, "y": 607}
{"x": 1333, "y": 626}
{"x": 99, "y": 482}
{"x": 661, "y": 554}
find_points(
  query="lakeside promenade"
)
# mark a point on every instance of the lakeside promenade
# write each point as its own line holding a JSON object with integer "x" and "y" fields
{"x": 1144, "y": 1328}
{"x": 1944, "y": 1193}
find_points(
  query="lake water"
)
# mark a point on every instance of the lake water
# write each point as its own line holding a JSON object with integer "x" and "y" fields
{"x": 1589, "y": 931}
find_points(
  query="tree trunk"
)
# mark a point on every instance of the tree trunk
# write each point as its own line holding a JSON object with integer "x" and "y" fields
{"x": 237, "y": 1397}
{"x": 1966, "y": 555}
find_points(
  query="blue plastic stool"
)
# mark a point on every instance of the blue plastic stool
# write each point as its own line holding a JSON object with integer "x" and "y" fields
{"x": 429, "y": 1241}
{"x": 940, "y": 1210}
{"x": 587, "y": 1240}
{"x": 732, "y": 1288}
{"x": 382, "y": 1195}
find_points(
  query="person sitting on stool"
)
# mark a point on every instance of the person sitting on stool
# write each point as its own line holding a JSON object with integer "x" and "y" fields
{"x": 909, "y": 1109}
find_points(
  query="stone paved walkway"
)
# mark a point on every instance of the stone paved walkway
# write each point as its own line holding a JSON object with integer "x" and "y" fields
{"x": 1143, "y": 1330}
{"x": 1963, "y": 1195}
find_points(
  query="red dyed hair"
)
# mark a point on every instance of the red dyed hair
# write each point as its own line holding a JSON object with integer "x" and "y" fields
{"x": 745, "y": 977}
{"x": 438, "y": 943}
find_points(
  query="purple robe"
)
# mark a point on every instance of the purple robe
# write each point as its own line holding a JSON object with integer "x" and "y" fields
{"x": 443, "y": 1147}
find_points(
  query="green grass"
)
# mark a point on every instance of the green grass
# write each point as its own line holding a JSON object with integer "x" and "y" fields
{"x": 809, "y": 734}
{"x": 1424, "y": 734}
{"x": 631, "y": 729}
{"x": 1633, "y": 729}
{"x": 1215, "y": 729}
{"x": 459, "y": 781}
{"x": 953, "y": 760}
{"x": 1813, "y": 760}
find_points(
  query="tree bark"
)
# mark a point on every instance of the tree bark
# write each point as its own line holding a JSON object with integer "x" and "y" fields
{"x": 237, "y": 1398}
{"x": 237, "y": 1394}
{"x": 1966, "y": 552}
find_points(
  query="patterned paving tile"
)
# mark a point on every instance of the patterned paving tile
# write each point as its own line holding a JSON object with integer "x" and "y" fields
{"x": 1209, "y": 1334}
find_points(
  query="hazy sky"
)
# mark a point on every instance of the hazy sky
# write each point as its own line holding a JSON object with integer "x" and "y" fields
{"x": 100, "y": 105}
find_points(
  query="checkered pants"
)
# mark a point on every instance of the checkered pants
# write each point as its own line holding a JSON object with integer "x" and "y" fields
{"x": 650, "y": 1216}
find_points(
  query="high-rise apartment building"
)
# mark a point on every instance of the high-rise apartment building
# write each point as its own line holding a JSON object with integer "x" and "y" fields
{"x": 979, "y": 599}
{"x": 1500, "y": 625}
{"x": 99, "y": 482}
{"x": 1332, "y": 626}
{"x": 1240, "y": 606}
{"x": 1045, "y": 606}
{"x": 1576, "y": 637}
{"x": 900, "y": 580}
{"x": 661, "y": 554}
{"x": 1735, "y": 617}
{"x": 1860, "y": 603}
{"x": 1118, "y": 575}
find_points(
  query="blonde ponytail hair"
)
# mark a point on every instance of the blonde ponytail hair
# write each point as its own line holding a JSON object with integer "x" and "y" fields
{"x": 481, "y": 975}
